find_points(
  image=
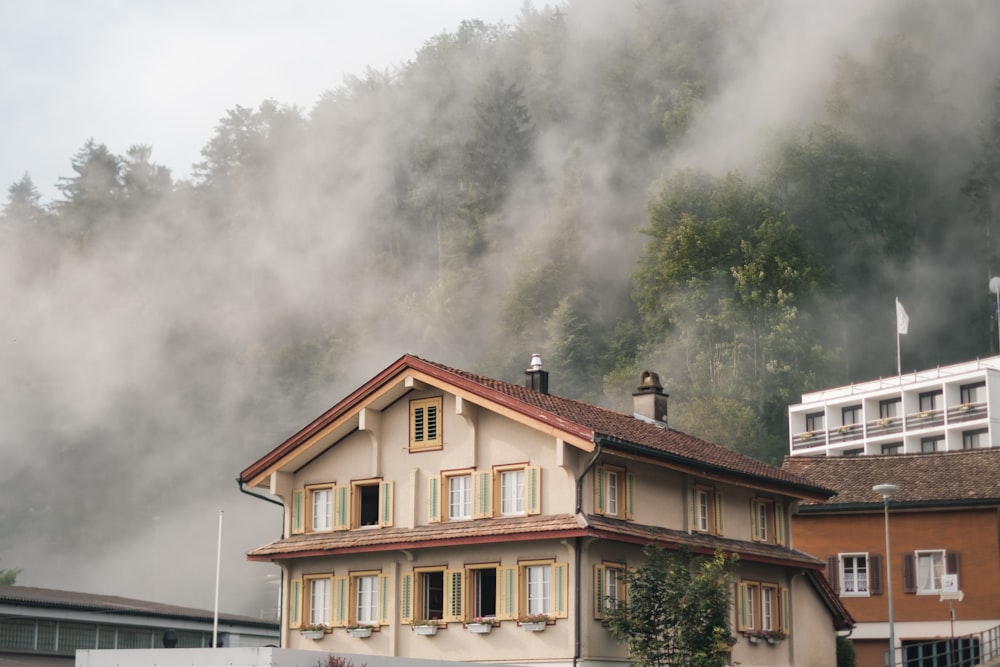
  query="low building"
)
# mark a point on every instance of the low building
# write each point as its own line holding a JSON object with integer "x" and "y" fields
{"x": 944, "y": 564}
{"x": 949, "y": 408}
{"x": 436, "y": 513}
{"x": 46, "y": 626}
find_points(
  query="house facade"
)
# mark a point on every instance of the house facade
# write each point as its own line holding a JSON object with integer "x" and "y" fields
{"x": 434, "y": 513}
{"x": 949, "y": 408}
{"x": 944, "y": 537}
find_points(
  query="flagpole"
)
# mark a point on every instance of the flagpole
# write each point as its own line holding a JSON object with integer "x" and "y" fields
{"x": 218, "y": 566}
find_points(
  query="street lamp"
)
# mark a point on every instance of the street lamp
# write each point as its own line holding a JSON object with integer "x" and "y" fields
{"x": 886, "y": 491}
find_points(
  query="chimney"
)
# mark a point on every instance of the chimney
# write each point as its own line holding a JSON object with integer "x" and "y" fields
{"x": 649, "y": 402}
{"x": 535, "y": 378}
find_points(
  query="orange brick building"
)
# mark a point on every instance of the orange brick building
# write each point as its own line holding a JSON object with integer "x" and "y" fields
{"x": 943, "y": 520}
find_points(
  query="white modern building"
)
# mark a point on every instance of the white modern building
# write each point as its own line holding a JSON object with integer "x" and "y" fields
{"x": 949, "y": 408}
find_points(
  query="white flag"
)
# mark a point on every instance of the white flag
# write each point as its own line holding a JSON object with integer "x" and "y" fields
{"x": 902, "y": 319}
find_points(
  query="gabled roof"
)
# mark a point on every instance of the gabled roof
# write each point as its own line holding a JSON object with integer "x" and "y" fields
{"x": 579, "y": 424}
{"x": 48, "y": 598}
{"x": 968, "y": 477}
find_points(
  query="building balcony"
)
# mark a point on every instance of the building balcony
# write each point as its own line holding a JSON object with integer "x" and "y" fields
{"x": 966, "y": 412}
{"x": 924, "y": 419}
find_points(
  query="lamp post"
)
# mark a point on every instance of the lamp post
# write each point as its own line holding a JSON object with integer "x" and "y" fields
{"x": 886, "y": 491}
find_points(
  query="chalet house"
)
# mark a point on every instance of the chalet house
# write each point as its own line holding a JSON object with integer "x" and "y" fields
{"x": 434, "y": 513}
{"x": 944, "y": 536}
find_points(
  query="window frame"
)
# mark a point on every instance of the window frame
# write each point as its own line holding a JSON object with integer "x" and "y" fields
{"x": 609, "y": 576}
{"x": 938, "y": 566}
{"x": 426, "y": 422}
{"x": 815, "y": 421}
{"x": 556, "y": 595}
{"x": 855, "y": 413}
{"x": 767, "y": 521}
{"x": 623, "y": 506}
{"x": 447, "y": 479}
{"x": 512, "y": 494}
{"x": 929, "y": 401}
{"x": 891, "y": 449}
{"x": 361, "y": 507}
{"x": 312, "y": 490}
{"x": 975, "y": 439}
{"x": 969, "y": 393}
{"x": 888, "y": 408}
{"x": 751, "y": 614}
{"x": 530, "y": 490}
{"x": 706, "y": 509}
{"x": 310, "y": 582}
{"x": 842, "y": 564}
{"x": 475, "y": 591}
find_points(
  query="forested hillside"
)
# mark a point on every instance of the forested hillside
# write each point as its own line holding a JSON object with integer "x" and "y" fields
{"x": 731, "y": 194}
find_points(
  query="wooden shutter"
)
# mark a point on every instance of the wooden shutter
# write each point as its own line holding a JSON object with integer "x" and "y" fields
{"x": 754, "y": 520}
{"x": 742, "y": 615}
{"x": 298, "y": 511}
{"x": 875, "y": 574}
{"x": 599, "y": 490}
{"x": 533, "y": 490}
{"x": 909, "y": 574}
{"x": 719, "y": 525}
{"x": 433, "y": 499}
{"x": 482, "y": 494}
{"x": 341, "y": 507}
{"x": 385, "y": 500}
{"x": 560, "y": 590}
{"x": 833, "y": 572}
{"x": 383, "y": 599}
{"x": 294, "y": 603}
{"x": 406, "y": 598}
{"x": 599, "y": 600}
{"x": 507, "y": 598}
{"x": 340, "y": 601}
{"x": 779, "y": 523}
{"x": 951, "y": 562}
{"x": 695, "y": 525}
{"x": 786, "y": 616}
{"x": 629, "y": 496}
{"x": 453, "y": 593}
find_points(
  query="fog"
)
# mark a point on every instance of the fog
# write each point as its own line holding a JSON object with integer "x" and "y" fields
{"x": 146, "y": 369}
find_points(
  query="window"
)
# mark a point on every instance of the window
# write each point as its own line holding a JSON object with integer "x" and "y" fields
{"x": 767, "y": 521}
{"x": 371, "y": 502}
{"x": 322, "y": 508}
{"x": 319, "y": 600}
{"x": 922, "y": 570}
{"x": 814, "y": 421}
{"x": 855, "y": 574}
{"x": 975, "y": 439}
{"x": 431, "y": 594}
{"x": 365, "y": 599}
{"x": 892, "y": 448}
{"x": 762, "y": 606}
{"x": 889, "y": 408}
{"x": 512, "y": 492}
{"x": 614, "y": 489}
{"x": 425, "y": 424}
{"x": 459, "y": 497}
{"x": 543, "y": 588}
{"x": 930, "y": 400}
{"x": 483, "y": 591}
{"x": 431, "y": 586}
{"x": 851, "y": 415}
{"x": 609, "y": 587}
{"x": 928, "y": 445}
{"x": 858, "y": 451}
{"x": 972, "y": 393}
{"x": 706, "y": 506}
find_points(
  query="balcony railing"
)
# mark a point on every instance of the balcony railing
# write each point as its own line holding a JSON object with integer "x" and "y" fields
{"x": 809, "y": 439}
{"x": 966, "y": 412}
{"x": 884, "y": 426}
{"x": 847, "y": 432}
{"x": 924, "y": 419}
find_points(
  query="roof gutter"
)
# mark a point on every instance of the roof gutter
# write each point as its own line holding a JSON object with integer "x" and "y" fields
{"x": 240, "y": 482}
{"x": 897, "y": 505}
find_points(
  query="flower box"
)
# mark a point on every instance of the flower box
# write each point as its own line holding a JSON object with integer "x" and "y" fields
{"x": 480, "y": 628}
{"x": 313, "y": 634}
{"x": 362, "y": 632}
{"x": 426, "y": 630}
{"x": 533, "y": 626}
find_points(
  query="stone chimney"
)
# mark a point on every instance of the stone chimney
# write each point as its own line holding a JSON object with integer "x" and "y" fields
{"x": 649, "y": 402}
{"x": 535, "y": 378}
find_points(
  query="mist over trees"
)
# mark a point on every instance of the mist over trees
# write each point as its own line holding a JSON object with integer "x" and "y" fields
{"x": 730, "y": 194}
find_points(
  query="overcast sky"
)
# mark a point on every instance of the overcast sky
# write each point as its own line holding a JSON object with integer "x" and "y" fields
{"x": 160, "y": 73}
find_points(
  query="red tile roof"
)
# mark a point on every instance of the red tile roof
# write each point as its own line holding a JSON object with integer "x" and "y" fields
{"x": 615, "y": 431}
{"x": 947, "y": 478}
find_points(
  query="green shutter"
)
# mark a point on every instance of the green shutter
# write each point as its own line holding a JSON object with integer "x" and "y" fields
{"x": 599, "y": 490}
{"x": 341, "y": 507}
{"x": 406, "y": 598}
{"x": 779, "y": 523}
{"x": 339, "y": 601}
{"x": 599, "y": 591}
{"x": 453, "y": 595}
{"x": 786, "y": 617}
{"x": 383, "y": 599}
{"x": 694, "y": 510}
{"x": 742, "y": 620}
{"x": 507, "y": 598}
{"x": 433, "y": 499}
{"x": 482, "y": 494}
{"x": 754, "y": 520}
{"x": 560, "y": 590}
{"x": 719, "y": 527}
{"x": 298, "y": 511}
{"x": 294, "y": 603}
{"x": 629, "y": 496}
{"x": 533, "y": 482}
{"x": 385, "y": 500}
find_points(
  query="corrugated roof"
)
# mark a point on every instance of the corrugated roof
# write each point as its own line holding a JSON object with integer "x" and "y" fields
{"x": 30, "y": 596}
{"x": 943, "y": 477}
{"x": 617, "y": 429}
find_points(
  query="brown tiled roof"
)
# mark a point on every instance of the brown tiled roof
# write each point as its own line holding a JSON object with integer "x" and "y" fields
{"x": 969, "y": 476}
{"x": 589, "y": 422}
{"x": 29, "y": 596}
{"x": 512, "y": 529}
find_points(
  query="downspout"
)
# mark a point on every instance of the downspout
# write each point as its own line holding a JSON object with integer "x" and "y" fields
{"x": 281, "y": 568}
{"x": 239, "y": 481}
{"x": 578, "y": 555}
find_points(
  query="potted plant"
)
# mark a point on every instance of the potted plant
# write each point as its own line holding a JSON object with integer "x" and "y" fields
{"x": 357, "y": 630}
{"x": 775, "y": 636}
{"x": 756, "y": 636}
{"x": 480, "y": 625}
{"x": 533, "y": 622}
{"x": 426, "y": 626}
{"x": 313, "y": 631}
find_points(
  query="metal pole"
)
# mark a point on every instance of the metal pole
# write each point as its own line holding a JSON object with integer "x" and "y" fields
{"x": 218, "y": 567}
{"x": 888, "y": 581}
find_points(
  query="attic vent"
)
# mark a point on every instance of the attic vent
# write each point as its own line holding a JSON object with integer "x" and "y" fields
{"x": 535, "y": 378}
{"x": 649, "y": 402}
